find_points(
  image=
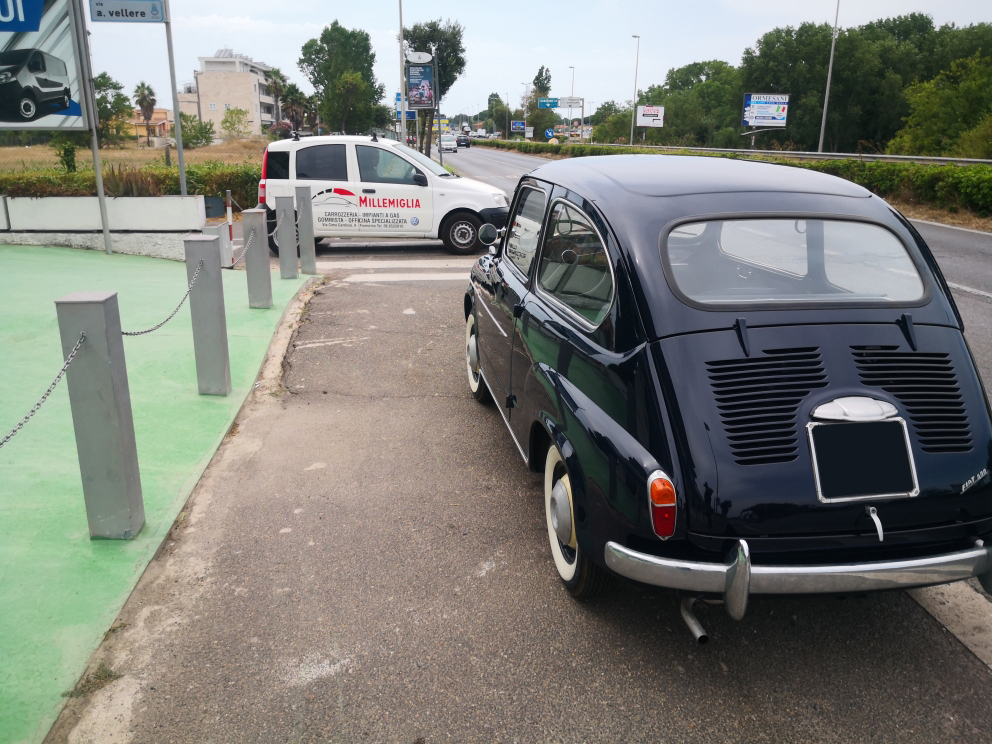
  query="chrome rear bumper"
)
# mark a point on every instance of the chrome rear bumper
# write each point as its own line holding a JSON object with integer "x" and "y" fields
{"x": 736, "y": 579}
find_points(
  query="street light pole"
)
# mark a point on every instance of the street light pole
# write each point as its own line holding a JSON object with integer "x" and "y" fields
{"x": 633, "y": 114}
{"x": 525, "y": 109}
{"x": 569, "y": 129}
{"x": 830, "y": 72}
{"x": 402, "y": 81}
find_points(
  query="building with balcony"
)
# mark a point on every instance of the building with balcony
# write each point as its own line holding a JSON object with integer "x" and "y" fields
{"x": 229, "y": 81}
{"x": 160, "y": 124}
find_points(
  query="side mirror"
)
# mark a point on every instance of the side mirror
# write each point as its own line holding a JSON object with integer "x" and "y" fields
{"x": 420, "y": 179}
{"x": 488, "y": 234}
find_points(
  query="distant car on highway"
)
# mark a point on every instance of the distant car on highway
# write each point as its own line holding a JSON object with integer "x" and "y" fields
{"x": 377, "y": 188}
{"x": 462, "y": 140}
{"x": 737, "y": 378}
{"x": 447, "y": 143}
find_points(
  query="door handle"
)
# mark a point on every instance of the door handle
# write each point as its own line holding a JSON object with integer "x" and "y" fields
{"x": 368, "y": 191}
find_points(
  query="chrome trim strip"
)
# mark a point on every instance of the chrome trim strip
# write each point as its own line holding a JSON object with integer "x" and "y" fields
{"x": 822, "y": 579}
{"x": 816, "y": 468}
{"x": 505, "y": 420}
{"x": 490, "y": 314}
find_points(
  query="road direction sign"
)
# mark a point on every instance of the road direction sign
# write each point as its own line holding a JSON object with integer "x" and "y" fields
{"x": 419, "y": 58}
{"x": 411, "y": 115}
{"x": 127, "y": 11}
{"x": 549, "y": 132}
{"x": 517, "y": 126}
{"x": 573, "y": 101}
{"x": 547, "y": 103}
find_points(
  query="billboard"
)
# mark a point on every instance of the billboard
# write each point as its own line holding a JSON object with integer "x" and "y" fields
{"x": 650, "y": 116}
{"x": 420, "y": 86}
{"x": 765, "y": 109}
{"x": 517, "y": 126}
{"x": 40, "y": 69}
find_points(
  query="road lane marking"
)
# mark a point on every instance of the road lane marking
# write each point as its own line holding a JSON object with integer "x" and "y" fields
{"x": 439, "y": 263}
{"x": 970, "y": 290}
{"x": 954, "y": 227}
{"x": 407, "y": 277}
{"x": 330, "y": 342}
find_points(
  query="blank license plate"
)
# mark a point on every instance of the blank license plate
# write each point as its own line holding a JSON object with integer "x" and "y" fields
{"x": 862, "y": 460}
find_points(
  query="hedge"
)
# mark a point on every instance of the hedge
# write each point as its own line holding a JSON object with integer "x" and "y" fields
{"x": 208, "y": 179}
{"x": 944, "y": 186}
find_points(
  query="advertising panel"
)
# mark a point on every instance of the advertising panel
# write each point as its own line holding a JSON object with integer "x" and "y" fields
{"x": 650, "y": 116}
{"x": 765, "y": 109}
{"x": 517, "y": 126}
{"x": 420, "y": 86}
{"x": 40, "y": 85}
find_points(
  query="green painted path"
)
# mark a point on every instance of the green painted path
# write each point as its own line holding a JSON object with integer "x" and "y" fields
{"x": 60, "y": 591}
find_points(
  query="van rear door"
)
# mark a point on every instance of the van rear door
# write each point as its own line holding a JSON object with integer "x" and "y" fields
{"x": 324, "y": 168}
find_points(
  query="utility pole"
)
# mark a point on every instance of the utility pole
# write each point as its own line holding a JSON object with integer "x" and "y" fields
{"x": 175, "y": 100}
{"x": 633, "y": 113}
{"x": 830, "y": 72}
{"x": 402, "y": 80}
{"x": 525, "y": 109}
{"x": 569, "y": 130}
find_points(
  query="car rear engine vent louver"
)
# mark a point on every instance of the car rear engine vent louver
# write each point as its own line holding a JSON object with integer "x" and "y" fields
{"x": 926, "y": 384}
{"x": 758, "y": 399}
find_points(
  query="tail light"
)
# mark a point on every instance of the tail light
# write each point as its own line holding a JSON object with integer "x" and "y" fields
{"x": 261, "y": 184}
{"x": 661, "y": 502}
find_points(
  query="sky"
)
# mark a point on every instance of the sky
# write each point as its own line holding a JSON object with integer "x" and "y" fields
{"x": 505, "y": 42}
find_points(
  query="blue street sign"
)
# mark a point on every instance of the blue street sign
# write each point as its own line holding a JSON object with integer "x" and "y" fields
{"x": 549, "y": 133}
{"x": 130, "y": 11}
{"x": 517, "y": 126}
{"x": 398, "y": 99}
{"x": 410, "y": 115}
{"x": 547, "y": 103}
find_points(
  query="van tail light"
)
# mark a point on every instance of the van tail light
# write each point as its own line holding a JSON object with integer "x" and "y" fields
{"x": 261, "y": 184}
{"x": 661, "y": 502}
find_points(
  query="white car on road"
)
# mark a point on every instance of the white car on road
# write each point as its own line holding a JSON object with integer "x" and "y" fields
{"x": 363, "y": 187}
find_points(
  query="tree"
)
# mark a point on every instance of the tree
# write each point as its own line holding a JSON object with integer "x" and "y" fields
{"x": 542, "y": 82}
{"x": 114, "y": 109}
{"x": 296, "y": 102}
{"x": 339, "y": 66}
{"x": 445, "y": 38}
{"x": 277, "y": 83}
{"x": 234, "y": 125}
{"x": 196, "y": 133}
{"x": 144, "y": 99}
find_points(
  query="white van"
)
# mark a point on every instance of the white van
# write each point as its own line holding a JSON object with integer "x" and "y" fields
{"x": 377, "y": 188}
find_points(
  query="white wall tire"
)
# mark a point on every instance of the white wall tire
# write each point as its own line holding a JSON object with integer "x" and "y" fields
{"x": 475, "y": 381}
{"x": 566, "y": 556}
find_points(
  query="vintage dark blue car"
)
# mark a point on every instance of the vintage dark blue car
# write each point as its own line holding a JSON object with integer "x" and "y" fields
{"x": 737, "y": 377}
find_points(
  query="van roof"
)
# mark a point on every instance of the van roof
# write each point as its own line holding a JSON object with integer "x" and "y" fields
{"x": 289, "y": 144}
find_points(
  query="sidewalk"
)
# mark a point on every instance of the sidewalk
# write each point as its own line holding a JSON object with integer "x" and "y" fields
{"x": 59, "y": 591}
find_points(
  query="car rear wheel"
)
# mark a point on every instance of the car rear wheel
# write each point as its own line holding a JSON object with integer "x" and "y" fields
{"x": 65, "y": 101}
{"x": 461, "y": 234}
{"x": 27, "y": 108}
{"x": 480, "y": 391}
{"x": 582, "y": 578}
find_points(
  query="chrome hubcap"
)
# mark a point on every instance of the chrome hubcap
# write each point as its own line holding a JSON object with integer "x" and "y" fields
{"x": 473, "y": 354}
{"x": 27, "y": 107}
{"x": 561, "y": 513}
{"x": 463, "y": 233}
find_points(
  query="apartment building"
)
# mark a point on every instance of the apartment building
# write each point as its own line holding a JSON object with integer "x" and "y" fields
{"x": 229, "y": 81}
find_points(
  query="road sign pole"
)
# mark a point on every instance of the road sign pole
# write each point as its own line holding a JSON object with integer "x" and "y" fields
{"x": 175, "y": 98}
{"x": 830, "y": 72}
{"x": 402, "y": 81}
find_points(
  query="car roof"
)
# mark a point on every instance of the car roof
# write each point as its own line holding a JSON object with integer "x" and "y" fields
{"x": 290, "y": 144}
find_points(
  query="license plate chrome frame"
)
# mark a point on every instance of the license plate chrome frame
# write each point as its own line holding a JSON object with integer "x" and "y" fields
{"x": 869, "y": 497}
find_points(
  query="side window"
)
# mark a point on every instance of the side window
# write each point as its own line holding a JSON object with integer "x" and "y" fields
{"x": 522, "y": 239}
{"x": 277, "y": 165}
{"x": 37, "y": 64}
{"x": 378, "y": 165}
{"x": 322, "y": 163}
{"x": 575, "y": 267}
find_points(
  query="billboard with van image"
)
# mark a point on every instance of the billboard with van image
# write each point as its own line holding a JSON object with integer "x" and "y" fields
{"x": 39, "y": 65}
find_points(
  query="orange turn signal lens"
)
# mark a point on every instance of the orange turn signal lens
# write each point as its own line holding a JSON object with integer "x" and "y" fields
{"x": 662, "y": 492}
{"x": 661, "y": 497}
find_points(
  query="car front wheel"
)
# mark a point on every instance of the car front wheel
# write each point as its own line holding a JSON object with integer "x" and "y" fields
{"x": 480, "y": 391}
{"x": 27, "y": 108}
{"x": 582, "y": 578}
{"x": 461, "y": 234}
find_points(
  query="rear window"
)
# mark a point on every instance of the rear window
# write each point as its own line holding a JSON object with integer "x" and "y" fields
{"x": 277, "y": 165}
{"x": 789, "y": 261}
{"x": 322, "y": 163}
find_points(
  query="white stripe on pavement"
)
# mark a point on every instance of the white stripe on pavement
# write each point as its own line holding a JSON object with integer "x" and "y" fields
{"x": 954, "y": 227}
{"x": 407, "y": 277}
{"x": 970, "y": 290}
{"x": 438, "y": 263}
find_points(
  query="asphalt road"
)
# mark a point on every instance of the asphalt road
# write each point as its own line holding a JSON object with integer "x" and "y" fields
{"x": 366, "y": 560}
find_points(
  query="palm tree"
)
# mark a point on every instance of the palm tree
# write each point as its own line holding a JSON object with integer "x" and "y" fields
{"x": 144, "y": 97}
{"x": 296, "y": 102}
{"x": 277, "y": 84}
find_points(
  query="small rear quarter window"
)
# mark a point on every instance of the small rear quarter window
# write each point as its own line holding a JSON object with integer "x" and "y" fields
{"x": 277, "y": 165}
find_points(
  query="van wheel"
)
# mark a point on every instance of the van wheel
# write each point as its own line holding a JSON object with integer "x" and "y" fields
{"x": 65, "y": 101}
{"x": 27, "y": 108}
{"x": 270, "y": 228}
{"x": 461, "y": 234}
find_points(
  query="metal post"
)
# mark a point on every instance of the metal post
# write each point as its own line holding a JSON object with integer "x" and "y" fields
{"x": 230, "y": 214}
{"x": 568, "y": 139}
{"x": 289, "y": 265}
{"x": 257, "y": 260}
{"x": 206, "y": 308}
{"x": 226, "y": 247}
{"x": 633, "y": 114}
{"x": 437, "y": 105}
{"x": 402, "y": 79}
{"x": 175, "y": 100}
{"x": 830, "y": 72}
{"x": 101, "y": 414}
{"x": 304, "y": 228}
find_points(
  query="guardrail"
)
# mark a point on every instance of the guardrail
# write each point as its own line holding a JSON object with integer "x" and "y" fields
{"x": 798, "y": 154}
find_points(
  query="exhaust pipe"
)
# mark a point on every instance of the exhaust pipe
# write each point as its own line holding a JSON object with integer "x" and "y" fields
{"x": 690, "y": 619}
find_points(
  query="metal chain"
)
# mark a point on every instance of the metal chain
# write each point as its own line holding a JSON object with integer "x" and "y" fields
{"x": 275, "y": 230}
{"x": 235, "y": 203}
{"x": 245, "y": 251}
{"x": 172, "y": 314}
{"x": 48, "y": 392}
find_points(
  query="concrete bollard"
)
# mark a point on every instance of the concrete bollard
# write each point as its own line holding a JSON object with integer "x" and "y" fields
{"x": 289, "y": 265}
{"x": 223, "y": 232}
{"x": 257, "y": 260}
{"x": 308, "y": 248}
{"x": 101, "y": 414}
{"x": 206, "y": 306}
